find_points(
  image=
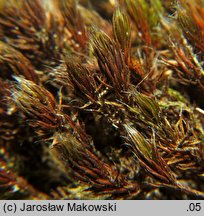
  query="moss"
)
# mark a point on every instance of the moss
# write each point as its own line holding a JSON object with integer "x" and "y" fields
{"x": 93, "y": 109}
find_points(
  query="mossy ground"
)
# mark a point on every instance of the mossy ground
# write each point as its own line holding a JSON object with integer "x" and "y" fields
{"x": 101, "y": 99}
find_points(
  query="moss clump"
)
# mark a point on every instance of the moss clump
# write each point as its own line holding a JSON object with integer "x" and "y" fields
{"x": 96, "y": 110}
